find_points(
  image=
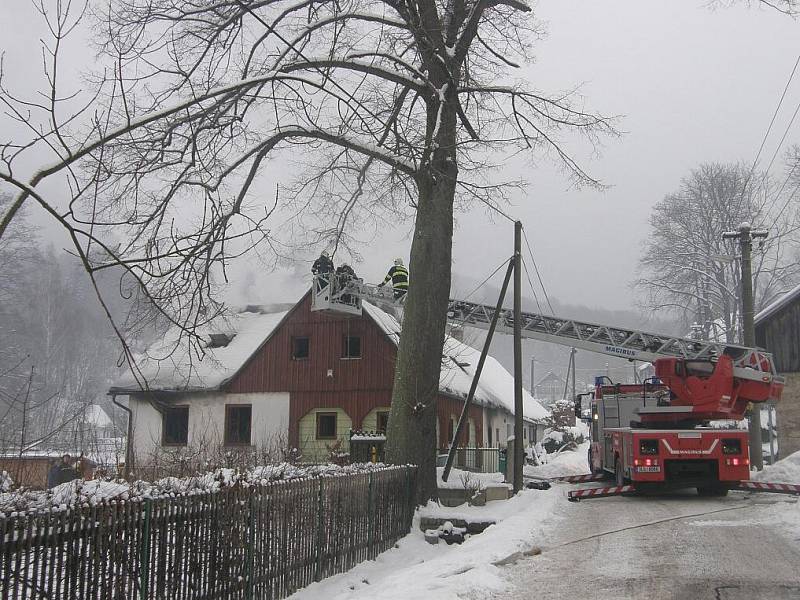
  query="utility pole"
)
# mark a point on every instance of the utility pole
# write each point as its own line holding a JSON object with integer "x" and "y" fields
{"x": 519, "y": 450}
{"x": 745, "y": 235}
{"x": 572, "y": 356}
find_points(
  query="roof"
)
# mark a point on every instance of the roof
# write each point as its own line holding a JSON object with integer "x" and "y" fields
{"x": 168, "y": 364}
{"x": 778, "y": 304}
{"x": 95, "y": 416}
{"x": 550, "y": 376}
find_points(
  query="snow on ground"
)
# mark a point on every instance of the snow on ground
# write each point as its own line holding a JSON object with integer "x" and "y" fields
{"x": 786, "y": 470}
{"x": 415, "y": 569}
{"x": 459, "y": 479}
{"x": 779, "y": 513}
{"x": 567, "y": 462}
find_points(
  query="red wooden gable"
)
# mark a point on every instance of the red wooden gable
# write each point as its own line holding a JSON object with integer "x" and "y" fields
{"x": 272, "y": 368}
{"x": 356, "y": 385}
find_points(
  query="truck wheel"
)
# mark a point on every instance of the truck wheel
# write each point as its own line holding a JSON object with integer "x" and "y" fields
{"x": 620, "y": 476}
{"x": 712, "y": 490}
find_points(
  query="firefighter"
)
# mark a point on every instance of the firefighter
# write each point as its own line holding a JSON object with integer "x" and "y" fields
{"x": 322, "y": 269}
{"x": 344, "y": 275}
{"x": 398, "y": 275}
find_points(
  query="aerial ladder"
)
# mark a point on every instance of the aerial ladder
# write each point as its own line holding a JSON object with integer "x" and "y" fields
{"x": 649, "y": 435}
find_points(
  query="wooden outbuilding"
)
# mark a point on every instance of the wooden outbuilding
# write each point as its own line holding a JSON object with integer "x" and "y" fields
{"x": 778, "y": 330}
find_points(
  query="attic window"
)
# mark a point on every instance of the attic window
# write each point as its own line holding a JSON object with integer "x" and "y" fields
{"x": 219, "y": 340}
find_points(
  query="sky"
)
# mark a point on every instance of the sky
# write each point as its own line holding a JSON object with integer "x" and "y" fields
{"x": 689, "y": 84}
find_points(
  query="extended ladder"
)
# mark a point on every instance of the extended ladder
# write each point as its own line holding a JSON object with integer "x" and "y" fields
{"x": 749, "y": 363}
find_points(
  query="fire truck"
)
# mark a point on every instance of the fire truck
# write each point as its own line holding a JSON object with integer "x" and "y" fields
{"x": 650, "y": 435}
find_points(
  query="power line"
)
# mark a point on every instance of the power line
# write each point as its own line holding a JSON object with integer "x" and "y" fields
{"x": 769, "y": 129}
{"x": 530, "y": 283}
{"x": 497, "y": 210}
{"x": 485, "y": 281}
{"x": 536, "y": 269}
{"x": 783, "y": 138}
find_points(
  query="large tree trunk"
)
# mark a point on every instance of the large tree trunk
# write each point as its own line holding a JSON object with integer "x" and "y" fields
{"x": 412, "y": 422}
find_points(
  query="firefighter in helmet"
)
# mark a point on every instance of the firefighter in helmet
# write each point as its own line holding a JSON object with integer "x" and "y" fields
{"x": 322, "y": 269}
{"x": 398, "y": 275}
{"x": 344, "y": 275}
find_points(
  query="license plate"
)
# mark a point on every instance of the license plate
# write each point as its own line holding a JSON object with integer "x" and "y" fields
{"x": 648, "y": 469}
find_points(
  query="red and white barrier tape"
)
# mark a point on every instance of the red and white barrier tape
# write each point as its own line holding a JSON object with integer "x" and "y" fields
{"x": 580, "y": 478}
{"x": 763, "y": 486}
{"x": 603, "y": 492}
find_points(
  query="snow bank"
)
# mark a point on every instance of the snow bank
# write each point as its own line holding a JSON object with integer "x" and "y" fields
{"x": 5, "y": 481}
{"x": 81, "y": 492}
{"x": 786, "y": 470}
{"x": 459, "y": 479}
{"x": 568, "y": 462}
{"x": 415, "y": 569}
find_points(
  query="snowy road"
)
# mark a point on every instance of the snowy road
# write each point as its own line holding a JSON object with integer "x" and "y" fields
{"x": 663, "y": 547}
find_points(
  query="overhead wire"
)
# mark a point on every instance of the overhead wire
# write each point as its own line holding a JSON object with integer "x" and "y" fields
{"x": 536, "y": 269}
{"x": 769, "y": 129}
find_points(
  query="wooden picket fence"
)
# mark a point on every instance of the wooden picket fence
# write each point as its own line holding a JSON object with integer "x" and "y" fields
{"x": 264, "y": 541}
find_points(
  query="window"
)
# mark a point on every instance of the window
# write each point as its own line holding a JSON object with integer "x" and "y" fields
{"x": 238, "y": 419}
{"x": 326, "y": 426}
{"x": 351, "y": 347}
{"x": 383, "y": 421}
{"x": 300, "y": 348}
{"x": 489, "y": 431}
{"x": 175, "y": 426}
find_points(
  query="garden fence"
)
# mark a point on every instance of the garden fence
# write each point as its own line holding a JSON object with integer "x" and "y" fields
{"x": 262, "y": 541}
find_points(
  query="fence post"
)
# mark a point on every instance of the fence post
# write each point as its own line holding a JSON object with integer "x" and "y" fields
{"x": 250, "y": 543}
{"x": 407, "y": 513}
{"x": 144, "y": 564}
{"x": 318, "y": 566}
{"x": 371, "y": 517}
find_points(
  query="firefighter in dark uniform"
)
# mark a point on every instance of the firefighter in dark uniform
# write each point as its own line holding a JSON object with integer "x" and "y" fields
{"x": 398, "y": 275}
{"x": 344, "y": 275}
{"x": 322, "y": 269}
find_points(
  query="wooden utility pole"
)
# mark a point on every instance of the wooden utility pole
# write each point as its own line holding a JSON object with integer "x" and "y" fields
{"x": 745, "y": 235}
{"x": 519, "y": 450}
{"x": 478, "y": 370}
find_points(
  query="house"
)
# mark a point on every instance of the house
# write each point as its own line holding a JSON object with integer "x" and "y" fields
{"x": 93, "y": 441}
{"x": 778, "y": 331}
{"x": 549, "y": 388}
{"x": 298, "y": 378}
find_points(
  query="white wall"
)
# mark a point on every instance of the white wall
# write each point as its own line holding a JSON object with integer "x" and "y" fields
{"x": 207, "y": 420}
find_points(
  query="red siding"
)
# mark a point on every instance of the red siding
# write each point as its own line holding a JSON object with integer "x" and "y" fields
{"x": 357, "y": 385}
{"x": 272, "y": 368}
{"x": 448, "y": 408}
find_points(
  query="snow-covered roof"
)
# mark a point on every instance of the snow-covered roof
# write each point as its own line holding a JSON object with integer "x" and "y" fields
{"x": 95, "y": 416}
{"x": 179, "y": 370}
{"x": 496, "y": 385}
{"x": 780, "y": 303}
{"x": 169, "y": 364}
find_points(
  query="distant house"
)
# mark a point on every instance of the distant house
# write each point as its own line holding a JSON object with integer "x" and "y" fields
{"x": 93, "y": 441}
{"x": 304, "y": 379}
{"x": 778, "y": 331}
{"x": 549, "y": 388}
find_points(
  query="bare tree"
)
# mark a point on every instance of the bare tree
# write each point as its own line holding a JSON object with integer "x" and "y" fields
{"x": 689, "y": 269}
{"x": 391, "y": 107}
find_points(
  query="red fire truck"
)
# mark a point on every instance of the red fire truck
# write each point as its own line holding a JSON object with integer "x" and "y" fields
{"x": 653, "y": 434}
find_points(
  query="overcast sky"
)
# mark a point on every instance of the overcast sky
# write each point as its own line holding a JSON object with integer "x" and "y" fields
{"x": 690, "y": 84}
